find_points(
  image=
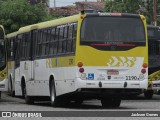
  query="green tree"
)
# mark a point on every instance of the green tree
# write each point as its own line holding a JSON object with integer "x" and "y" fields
{"x": 18, "y": 13}
{"x": 144, "y": 7}
{"x": 129, "y": 6}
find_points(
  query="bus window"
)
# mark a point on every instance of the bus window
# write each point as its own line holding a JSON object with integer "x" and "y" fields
{"x": 118, "y": 30}
{"x": 2, "y": 53}
{"x": 3, "y": 61}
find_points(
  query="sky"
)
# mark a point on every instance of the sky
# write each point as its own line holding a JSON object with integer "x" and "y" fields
{"x": 60, "y": 3}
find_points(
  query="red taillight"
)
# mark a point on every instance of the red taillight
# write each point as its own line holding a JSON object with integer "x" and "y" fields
{"x": 81, "y": 70}
{"x": 145, "y": 65}
{"x": 80, "y": 64}
{"x": 143, "y": 71}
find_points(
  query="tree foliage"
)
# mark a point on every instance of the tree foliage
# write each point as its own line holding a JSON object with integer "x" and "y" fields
{"x": 18, "y": 13}
{"x": 144, "y": 7}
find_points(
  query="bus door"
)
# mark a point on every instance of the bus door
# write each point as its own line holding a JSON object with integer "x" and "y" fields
{"x": 26, "y": 56}
{"x": 17, "y": 66}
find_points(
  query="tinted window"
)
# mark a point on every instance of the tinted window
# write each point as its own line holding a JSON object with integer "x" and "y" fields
{"x": 112, "y": 29}
{"x": 153, "y": 33}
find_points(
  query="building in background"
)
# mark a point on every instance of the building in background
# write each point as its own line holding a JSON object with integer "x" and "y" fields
{"x": 79, "y": 6}
{"x": 68, "y": 10}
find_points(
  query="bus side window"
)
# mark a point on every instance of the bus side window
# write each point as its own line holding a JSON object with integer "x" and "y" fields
{"x": 34, "y": 40}
{"x": 74, "y": 37}
{"x": 19, "y": 47}
{"x": 69, "y": 41}
{"x": 60, "y": 40}
{"x": 51, "y": 43}
{"x": 27, "y": 45}
{"x": 56, "y": 43}
{"x": 47, "y": 41}
{"x": 39, "y": 44}
{"x": 64, "y": 46}
{"x": 43, "y": 41}
{"x": 9, "y": 48}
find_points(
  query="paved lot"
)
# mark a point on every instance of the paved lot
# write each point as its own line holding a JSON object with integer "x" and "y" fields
{"x": 90, "y": 108}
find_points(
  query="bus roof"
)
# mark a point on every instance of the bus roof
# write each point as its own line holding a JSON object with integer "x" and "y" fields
{"x": 62, "y": 21}
{"x": 11, "y": 35}
{"x": 50, "y": 23}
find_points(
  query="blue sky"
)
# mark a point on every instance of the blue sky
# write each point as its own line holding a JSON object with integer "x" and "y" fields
{"x": 60, "y": 3}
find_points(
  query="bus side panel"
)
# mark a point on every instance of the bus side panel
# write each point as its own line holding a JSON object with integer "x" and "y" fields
{"x": 38, "y": 81}
{"x": 64, "y": 78}
{"x": 18, "y": 89}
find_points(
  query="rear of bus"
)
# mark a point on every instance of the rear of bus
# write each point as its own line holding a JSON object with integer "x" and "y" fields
{"x": 3, "y": 66}
{"x": 111, "y": 54}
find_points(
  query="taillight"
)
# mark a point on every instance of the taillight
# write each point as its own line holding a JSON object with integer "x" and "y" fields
{"x": 145, "y": 65}
{"x": 81, "y": 69}
{"x": 80, "y": 64}
{"x": 143, "y": 71}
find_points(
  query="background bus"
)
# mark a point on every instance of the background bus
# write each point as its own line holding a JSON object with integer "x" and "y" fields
{"x": 3, "y": 62}
{"x": 85, "y": 56}
{"x": 154, "y": 60}
{"x": 11, "y": 62}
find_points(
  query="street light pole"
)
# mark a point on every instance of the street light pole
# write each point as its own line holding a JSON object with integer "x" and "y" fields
{"x": 54, "y": 4}
{"x": 155, "y": 12}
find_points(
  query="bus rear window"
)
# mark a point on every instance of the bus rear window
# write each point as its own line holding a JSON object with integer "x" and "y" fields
{"x": 113, "y": 30}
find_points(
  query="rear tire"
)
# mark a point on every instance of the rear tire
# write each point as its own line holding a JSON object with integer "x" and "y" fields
{"x": 148, "y": 94}
{"x": 54, "y": 101}
{"x": 28, "y": 99}
{"x": 11, "y": 91}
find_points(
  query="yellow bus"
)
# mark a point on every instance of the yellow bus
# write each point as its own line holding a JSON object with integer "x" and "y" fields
{"x": 86, "y": 56}
{"x": 3, "y": 61}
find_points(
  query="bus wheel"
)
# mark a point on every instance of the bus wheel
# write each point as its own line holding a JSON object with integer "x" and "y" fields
{"x": 28, "y": 99}
{"x": 148, "y": 94}
{"x": 12, "y": 92}
{"x": 54, "y": 101}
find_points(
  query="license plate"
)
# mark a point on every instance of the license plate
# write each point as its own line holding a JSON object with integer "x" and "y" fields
{"x": 112, "y": 72}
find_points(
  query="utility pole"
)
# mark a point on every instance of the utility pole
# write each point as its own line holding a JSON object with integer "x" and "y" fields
{"x": 155, "y": 12}
{"x": 54, "y": 4}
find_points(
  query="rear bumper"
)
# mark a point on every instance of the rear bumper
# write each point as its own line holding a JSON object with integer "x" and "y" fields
{"x": 110, "y": 84}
